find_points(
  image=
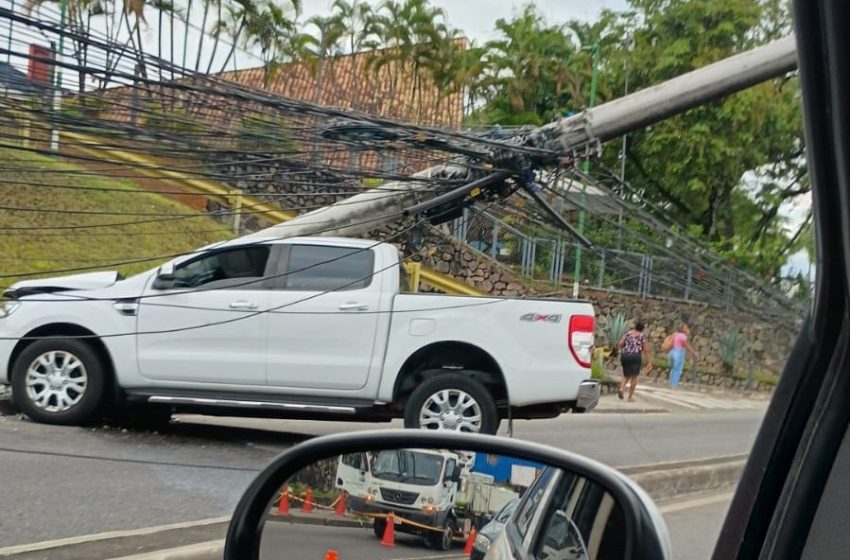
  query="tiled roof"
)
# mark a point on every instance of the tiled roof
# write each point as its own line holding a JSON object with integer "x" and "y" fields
{"x": 392, "y": 91}
{"x": 348, "y": 81}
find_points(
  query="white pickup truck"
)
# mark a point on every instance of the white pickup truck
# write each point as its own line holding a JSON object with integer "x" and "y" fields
{"x": 295, "y": 328}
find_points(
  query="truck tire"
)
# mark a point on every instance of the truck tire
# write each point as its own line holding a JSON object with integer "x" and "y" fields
{"x": 59, "y": 381}
{"x": 452, "y": 401}
{"x": 443, "y": 541}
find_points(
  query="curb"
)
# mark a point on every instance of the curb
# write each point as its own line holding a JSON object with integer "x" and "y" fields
{"x": 671, "y": 480}
{"x": 337, "y": 521}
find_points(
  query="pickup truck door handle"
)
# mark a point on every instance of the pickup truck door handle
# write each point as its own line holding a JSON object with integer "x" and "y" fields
{"x": 243, "y": 305}
{"x": 353, "y": 306}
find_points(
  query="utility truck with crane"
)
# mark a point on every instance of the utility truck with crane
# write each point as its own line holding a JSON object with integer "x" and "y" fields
{"x": 433, "y": 493}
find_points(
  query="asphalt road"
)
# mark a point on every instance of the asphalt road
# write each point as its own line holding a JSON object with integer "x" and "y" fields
{"x": 314, "y": 542}
{"x": 694, "y": 529}
{"x": 66, "y": 481}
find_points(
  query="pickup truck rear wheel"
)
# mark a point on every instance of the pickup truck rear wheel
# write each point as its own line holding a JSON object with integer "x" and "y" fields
{"x": 452, "y": 401}
{"x": 58, "y": 381}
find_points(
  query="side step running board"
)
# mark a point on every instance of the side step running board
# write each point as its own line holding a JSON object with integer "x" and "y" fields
{"x": 239, "y": 403}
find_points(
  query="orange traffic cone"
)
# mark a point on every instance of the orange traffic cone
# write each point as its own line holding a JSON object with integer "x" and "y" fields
{"x": 307, "y": 506}
{"x": 467, "y": 550}
{"x": 332, "y": 555}
{"x": 389, "y": 532}
{"x": 340, "y": 504}
{"x": 283, "y": 504}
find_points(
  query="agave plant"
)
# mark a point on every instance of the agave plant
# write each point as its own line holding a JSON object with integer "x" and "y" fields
{"x": 615, "y": 327}
{"x": 730, "y": 347}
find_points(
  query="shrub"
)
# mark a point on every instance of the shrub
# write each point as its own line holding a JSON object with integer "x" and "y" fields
{"x": 730, "y": 347}
{"x": 615, "y": 327}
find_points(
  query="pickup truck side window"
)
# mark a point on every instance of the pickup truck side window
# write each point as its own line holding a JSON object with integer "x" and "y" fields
{"x": 323, "y": 268}
{"x": 223, "y": 269}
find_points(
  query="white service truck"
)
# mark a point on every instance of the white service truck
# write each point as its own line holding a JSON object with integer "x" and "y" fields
{"x": 431, "y": 492}
{"x": 294, "y": 328}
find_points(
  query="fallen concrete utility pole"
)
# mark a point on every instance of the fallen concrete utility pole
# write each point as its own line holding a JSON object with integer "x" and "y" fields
{"x": 365, "y": 212}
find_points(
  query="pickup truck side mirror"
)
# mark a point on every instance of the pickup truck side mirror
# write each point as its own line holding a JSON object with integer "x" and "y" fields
{"x": 164, "y": 277}
{"x": 163, "y": 281}
{"x": 631, "y": 525}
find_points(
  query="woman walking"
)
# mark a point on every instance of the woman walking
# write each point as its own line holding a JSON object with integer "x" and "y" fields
{"x": 634, "y": 348}
{"x": 679, "y": 344}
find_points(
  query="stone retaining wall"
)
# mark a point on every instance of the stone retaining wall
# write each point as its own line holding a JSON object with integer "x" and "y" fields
{"x": 766, "y": 344}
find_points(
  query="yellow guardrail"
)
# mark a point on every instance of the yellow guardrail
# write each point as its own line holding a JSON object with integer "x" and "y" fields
{"x": 235, "y": 197}
{"x": 439, "y": 281}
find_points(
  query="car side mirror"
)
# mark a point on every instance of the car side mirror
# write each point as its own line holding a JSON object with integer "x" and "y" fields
{"x": 296, "y": 499}
{"x": 163, "y": 282}
{"x": 164, "y": 277}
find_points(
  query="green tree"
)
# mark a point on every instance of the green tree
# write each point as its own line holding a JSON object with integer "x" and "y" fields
{"x": 530, "y": 76}
{"x": 324, "y": 46}
{"x": 274, "y": 33}
{"x": 727, "y": 166}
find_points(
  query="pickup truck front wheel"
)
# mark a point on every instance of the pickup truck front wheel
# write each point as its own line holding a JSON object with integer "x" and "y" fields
{"x": 452, "y": 401}
{"x": 58, "y": 381}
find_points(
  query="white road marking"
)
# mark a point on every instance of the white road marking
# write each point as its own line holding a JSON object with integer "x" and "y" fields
{"x": 671, "y": 400}
{"x": 189, "y": 552}
{"x": 44, "y": 545}
{"x": 696, "y": 502}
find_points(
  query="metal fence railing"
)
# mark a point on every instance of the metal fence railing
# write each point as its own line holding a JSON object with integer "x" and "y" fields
{"x": 552, "y": 260}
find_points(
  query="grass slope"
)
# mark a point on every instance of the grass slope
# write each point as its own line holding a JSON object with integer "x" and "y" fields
{"x": 170, "y": 228}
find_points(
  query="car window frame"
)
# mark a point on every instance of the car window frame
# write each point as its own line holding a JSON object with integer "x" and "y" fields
{"x": 518, "y": 540}
{"x": 282, "y": 274}
{"x": 546, "y": 513}
{"x": 240, "y": 283}
{"x": 780, "y": 490}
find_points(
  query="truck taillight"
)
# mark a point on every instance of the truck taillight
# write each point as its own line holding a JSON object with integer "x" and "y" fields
{"x": 580, "y": 338}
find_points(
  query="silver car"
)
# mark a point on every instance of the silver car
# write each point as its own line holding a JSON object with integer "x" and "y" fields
{"x": 562, "y": 516}
{"x": 491, "y": 530}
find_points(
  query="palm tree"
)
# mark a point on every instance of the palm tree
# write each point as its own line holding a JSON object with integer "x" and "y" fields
{"x": 186, "y": 33}
{"x": 203, "y": 32}
{"x": 163, "y": 7}
{"x": 361, "y": 29}
{"x": 331, "y": 30}
{"x": 239, "y": 14}
{"x": 270, "y": 30}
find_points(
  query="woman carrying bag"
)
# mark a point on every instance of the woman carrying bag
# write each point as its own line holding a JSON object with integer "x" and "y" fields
{"x": 634, "y": 349}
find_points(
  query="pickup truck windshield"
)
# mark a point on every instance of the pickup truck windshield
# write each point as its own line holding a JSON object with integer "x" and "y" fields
{"x": 408, "y": 466}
